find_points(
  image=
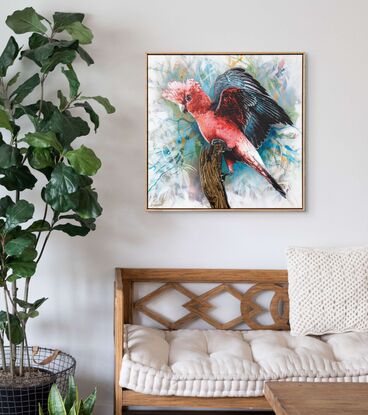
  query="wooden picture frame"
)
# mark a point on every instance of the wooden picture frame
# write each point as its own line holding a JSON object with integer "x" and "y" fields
{"x": 220, "y": 190}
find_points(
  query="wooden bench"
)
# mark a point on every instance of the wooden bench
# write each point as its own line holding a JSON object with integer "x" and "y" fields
{"x": 197, "y": 308}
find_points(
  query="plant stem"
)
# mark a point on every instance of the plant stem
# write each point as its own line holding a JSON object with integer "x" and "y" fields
{"x": 2, "y": 351}
{"x": 11, "y": 361}
{"x": 24, "y": 324}
{"x": 14, "y": 283}
{"x": 43, "y": 221}
{"x": 25, "y": 342}
{"x": 54, "y": 220}
{"x": 27, "y": 350}
{"x": 13, "y": 296}
{"x": 24, "y": 345}
{"x": 43, "y": 79}
{"x": 3, "y": 276}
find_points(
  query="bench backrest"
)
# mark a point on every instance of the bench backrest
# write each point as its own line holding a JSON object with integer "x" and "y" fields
{"x": 198, "y": 306}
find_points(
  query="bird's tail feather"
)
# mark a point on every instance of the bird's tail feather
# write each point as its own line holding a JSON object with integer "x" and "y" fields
{"x": 275, "y": 185}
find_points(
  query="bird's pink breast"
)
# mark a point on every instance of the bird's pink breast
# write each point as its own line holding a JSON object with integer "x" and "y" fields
{"x": 213, "y": 127}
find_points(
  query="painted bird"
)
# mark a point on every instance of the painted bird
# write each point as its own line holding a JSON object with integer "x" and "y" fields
{"x": 241, "y": 115}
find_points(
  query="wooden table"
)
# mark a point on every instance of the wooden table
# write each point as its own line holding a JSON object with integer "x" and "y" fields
{"x": 302, "y": 398}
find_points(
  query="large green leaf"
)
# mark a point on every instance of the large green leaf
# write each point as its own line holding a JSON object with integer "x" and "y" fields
{"x": 22, "y": 268}
{"x": 31, "y": 306}
{"x": 64, "y": 179}
{"x": 85, "y": 56}
{"x": 40, "y": 158}
{"x": 16, "y": 246}
{"x": 104, "y": 102}
{"x": 89, "y": 403}
{"x": 60, "y": 192}
{"x": 60, "y": 203}
{"x": 9, "y": 156}
{"x": 38, "y": 303}
{"x": 55, "y": 402}
{"x": 63, "y": 56}
{"x": 71, "y": 394}
{"x": 88, "y": 206}
{"x": 85, "y": 181}
{"x": 39, "y": 226}
{"x": 39, "y": 54}
{"x": 26, "y": 20}
{"x": 20, "y": 212}
{"x": 28, "y": 255}
{"x": 23, "y": 316}
{"x": 8, "y": 56}
{"x": 74, "y": 409}
{"x": 65, "y": 19}
{"x": 4, "y": 120}
{"x": 25, "y": 88}
{"x": 73, "y": 81}
{"x": 43, "y": 140}
{"x": 44, "y": 53}
{"x": 16, "y": 331}
{"x": 36, "y": 40}
{"x": 13, "y": 80}
{"x": 63, "y": 101}
{"x": 5, "y": 202}
{"x": 68, "y": 127}
{"x": 3, "y": 320}
{"x": 17, "y": 178}
{"x": 78, "y": 31}
{"x": 47, "y": 110}
{"x": 84, "y": 161}
{"x": 90, "y": 111}
{"x": 87, "y": 223}
{"x": 29, "y": 110}
{"x": 72, "y": 230}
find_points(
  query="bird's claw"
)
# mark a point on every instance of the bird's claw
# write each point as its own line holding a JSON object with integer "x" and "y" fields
{"x": 221, "y": 142}
{"x": 224, "y": 175}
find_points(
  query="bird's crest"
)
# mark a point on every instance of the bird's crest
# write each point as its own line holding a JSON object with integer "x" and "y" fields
{"x": 176, "y": 91}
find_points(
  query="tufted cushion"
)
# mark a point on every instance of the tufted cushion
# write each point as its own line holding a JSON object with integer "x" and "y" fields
{"x": 216, "y": 363}
{"x": 328, "y": 290}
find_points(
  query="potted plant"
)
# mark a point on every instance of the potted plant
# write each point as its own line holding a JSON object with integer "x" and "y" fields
{"x": 38, "y": 152}
{"x": 71, "y": 404}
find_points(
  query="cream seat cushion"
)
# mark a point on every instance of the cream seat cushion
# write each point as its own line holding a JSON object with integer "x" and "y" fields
{"x": 217, "y": 363}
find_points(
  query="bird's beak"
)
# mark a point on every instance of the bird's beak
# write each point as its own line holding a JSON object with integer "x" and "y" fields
{"x": 183, "y": 108}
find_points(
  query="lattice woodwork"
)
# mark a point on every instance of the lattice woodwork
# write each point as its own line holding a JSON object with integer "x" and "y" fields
{"x": 199, "y": 305}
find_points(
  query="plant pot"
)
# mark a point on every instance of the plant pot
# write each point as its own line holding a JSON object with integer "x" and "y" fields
{"x": 21, "y": 396}
{"x": 24, "y": 400}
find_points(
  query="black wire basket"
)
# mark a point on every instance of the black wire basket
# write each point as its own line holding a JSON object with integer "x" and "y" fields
{"x": 43, "y": 367}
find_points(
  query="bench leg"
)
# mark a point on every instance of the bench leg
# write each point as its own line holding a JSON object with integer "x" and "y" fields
{"x": 118, "y": 401}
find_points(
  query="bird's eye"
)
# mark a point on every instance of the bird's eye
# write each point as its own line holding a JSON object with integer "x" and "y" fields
{"x": 188, "y": 98}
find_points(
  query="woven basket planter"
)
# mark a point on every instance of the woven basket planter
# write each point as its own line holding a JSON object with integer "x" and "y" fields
{"x": 22, "y": 396}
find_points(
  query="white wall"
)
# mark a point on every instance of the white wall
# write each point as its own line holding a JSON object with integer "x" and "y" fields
{"x": 77, "y": 274}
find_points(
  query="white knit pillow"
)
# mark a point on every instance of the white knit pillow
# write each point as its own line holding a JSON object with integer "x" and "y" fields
{"x": 328, "y": 290}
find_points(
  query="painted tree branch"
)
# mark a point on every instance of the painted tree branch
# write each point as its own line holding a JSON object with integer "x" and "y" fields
{"x": 211, "y": 177}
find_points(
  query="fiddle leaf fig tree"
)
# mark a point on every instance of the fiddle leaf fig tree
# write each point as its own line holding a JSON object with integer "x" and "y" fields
{"x": 39, "y": 153}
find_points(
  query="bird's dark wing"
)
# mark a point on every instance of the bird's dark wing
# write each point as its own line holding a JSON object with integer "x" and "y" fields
{"x": 243, "y": 99}
{"x": 234, "y": 104}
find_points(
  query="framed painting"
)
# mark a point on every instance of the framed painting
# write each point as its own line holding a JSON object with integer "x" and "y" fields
{"x": 225, "y": 131}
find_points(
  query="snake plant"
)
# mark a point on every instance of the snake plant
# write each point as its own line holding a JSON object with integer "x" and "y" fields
{"x": 70, "y": 405}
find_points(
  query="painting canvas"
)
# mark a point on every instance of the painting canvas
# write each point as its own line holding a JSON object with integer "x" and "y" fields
{"x": 225, "y": 131}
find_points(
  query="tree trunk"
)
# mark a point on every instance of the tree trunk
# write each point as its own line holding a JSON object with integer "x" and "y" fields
{"x": 211, "y": 178}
